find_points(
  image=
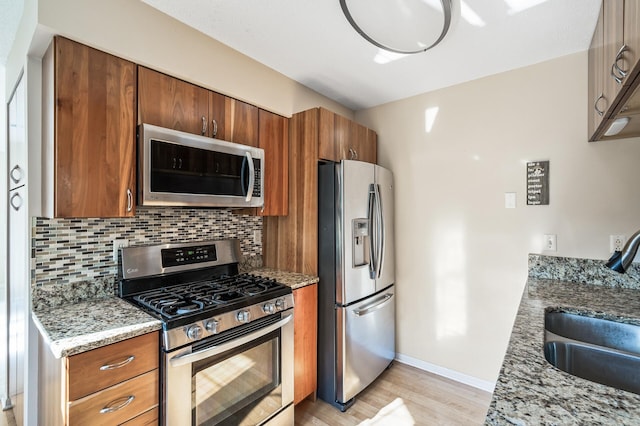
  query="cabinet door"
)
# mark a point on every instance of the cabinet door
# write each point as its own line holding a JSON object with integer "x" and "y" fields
{"x": 241, "y": 122}
{"x": 305, "y": 340}
{"x": 597, "y": 104}
{"x": 362, "y": 144}
{"x": 631, "y": 56}
{"x": 216, "y": 128}
{"x": 613, "y": 42}
{"x": 95, "y": 132}
{"x": 326, "y": 135}
{"x": 175, "y": 104}
{"x": 342, "y": 139}
{"x": 274, "y": 139}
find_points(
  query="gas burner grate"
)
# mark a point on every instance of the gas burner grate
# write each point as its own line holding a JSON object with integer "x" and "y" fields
{"x": 187, "y": 298}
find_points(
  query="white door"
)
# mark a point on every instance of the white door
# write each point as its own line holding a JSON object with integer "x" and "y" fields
{"x": 17, "y": 250}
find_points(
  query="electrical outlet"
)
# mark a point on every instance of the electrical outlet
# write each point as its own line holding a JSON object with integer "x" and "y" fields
{"x": 550, "y": 242}
{"x": 616, "y": 242}
{"x": 116, "y": 245}
{"x": 257, "y": 237}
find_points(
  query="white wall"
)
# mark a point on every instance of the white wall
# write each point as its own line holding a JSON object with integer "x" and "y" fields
{"x": 461, "y": 256}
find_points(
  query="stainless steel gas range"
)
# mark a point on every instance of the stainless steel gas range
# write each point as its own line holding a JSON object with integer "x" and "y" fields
{"x": 227, "y": 342}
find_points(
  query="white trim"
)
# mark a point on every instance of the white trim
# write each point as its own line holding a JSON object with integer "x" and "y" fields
{"x": 445, "y": 372}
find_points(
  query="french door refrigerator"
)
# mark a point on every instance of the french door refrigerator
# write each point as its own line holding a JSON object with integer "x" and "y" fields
{"x": 356, "y": 303}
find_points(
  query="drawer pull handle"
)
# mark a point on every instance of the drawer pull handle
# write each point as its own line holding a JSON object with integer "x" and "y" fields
{"x": 116, "y": 405}
{"x": 117, "y": 364}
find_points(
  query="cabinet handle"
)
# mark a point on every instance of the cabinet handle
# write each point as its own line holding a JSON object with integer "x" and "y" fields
{"x": 118, "y": 364}
{"x": 16, "y": 201}
{"x": 353, "y": 154}
{"x": 204, "y": 125}
{"x": 180, "y": 163}
{"x": 214, "y": 124}
{"x": 129, "y": 200}
{"x": 116, "y": 405}
{"x": 16, "y": 174}
{"x": 595, "y": 105}
{"x": 614, "y": 76}
{"x": 619, "y": 56}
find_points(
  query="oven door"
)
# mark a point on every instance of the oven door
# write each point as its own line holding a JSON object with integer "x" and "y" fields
{"x": 241, "y": 377}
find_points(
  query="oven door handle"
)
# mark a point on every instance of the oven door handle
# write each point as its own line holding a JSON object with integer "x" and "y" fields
{"x": 190, "y": 358}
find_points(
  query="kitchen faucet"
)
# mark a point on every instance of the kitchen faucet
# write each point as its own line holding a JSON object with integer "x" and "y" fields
{"x": 621, "y": 260}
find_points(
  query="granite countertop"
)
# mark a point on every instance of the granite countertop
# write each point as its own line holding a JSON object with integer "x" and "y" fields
{"x": 531, "y": 391}
{"x": 72, "y": 328}
{"x": 294, "y": 280}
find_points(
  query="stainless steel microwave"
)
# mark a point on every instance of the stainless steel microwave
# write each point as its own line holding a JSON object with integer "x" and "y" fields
{"x": 181, "y": 169}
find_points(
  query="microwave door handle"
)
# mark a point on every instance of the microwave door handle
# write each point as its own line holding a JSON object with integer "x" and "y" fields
{"x": 190, "y": 358}
{"x": 252, "y": 177}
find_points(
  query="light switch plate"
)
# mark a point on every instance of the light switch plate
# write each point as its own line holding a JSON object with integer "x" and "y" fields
{"x": 509, "y": 200}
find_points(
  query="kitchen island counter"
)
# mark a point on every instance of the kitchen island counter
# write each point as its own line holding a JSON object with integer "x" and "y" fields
{"x": 529, "y": 390}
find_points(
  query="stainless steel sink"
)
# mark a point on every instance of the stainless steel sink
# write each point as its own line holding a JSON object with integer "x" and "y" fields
{"x": 595, "y": 349}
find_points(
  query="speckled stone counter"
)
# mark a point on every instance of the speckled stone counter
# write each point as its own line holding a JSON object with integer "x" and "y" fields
{"x": 294, "y": 280}
{"x": 530, "y": 391}
{"x": 73, "y": 328}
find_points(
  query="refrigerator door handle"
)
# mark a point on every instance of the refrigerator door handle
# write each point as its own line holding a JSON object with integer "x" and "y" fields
{"x": 380, "y": 233}
{"x": 374, "y": 306}
{"x": 372, "y": 235}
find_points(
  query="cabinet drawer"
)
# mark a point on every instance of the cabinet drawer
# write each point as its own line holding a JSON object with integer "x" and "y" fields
{"x": 145, "y": 419}
{"x": 100, "y": 368}
{"x": 142, "y": 391}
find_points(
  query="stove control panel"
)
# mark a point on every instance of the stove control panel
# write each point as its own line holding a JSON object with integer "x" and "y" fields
{"x": 188, "y": 255}
{"x": 199, "y": 330}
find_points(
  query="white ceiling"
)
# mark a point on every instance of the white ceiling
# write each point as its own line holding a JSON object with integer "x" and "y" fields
{"x": 311, "y": 42}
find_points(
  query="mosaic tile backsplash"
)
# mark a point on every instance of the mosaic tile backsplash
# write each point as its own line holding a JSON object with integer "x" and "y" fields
{"x": 74, "y": 250}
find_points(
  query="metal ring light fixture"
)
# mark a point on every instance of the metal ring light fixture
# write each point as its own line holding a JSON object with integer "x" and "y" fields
{"x": 385, "y": 23}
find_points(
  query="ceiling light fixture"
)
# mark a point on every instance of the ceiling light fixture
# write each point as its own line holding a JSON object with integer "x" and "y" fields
{"x": 400, "y": 26}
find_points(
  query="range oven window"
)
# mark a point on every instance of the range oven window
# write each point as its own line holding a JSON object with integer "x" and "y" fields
{"x": 182, "y": 169}
{"x": 239, "y": 387}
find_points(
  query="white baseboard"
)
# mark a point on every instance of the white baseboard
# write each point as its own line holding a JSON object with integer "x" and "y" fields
{"x": 445, "y": 372}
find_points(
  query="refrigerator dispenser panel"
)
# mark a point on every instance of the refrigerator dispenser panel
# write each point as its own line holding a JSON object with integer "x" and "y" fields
{"x": 360, "y": 233}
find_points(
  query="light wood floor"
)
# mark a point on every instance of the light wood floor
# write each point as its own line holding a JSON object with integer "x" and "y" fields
{"x": 403, "y": 395}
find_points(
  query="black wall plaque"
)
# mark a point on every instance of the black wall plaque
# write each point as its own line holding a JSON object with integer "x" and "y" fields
{"x": 538, "y": 183}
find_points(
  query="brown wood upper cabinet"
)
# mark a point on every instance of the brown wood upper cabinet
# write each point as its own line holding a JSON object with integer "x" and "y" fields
{"x": 241, "y": 122}
{"x": 93, "y": 106}
{"x": 274, "y": 139}
{"x": 168, "y": 102}
{"x": 343, "y": 139}
{"x": 614, "y": 66}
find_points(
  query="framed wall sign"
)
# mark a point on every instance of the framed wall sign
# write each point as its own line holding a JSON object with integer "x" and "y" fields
{"x": 538, "y": 183}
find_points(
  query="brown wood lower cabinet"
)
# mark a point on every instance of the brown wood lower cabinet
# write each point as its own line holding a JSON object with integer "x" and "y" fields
{"x": 305, "y": 344}
{"x": 112, "y": 385}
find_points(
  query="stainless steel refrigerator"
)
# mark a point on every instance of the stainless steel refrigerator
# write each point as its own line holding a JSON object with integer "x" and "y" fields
{"x": 356, "y": 303}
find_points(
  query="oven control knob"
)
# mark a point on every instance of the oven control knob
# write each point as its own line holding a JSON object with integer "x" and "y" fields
{"x": 243, "y": 316}
{"x": 194, "y": 332}
{"x": 280, "y": 305}
{"x": 269, "y": 308}
{"x": 211, "y": 326}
